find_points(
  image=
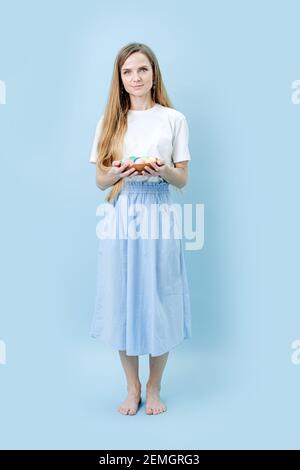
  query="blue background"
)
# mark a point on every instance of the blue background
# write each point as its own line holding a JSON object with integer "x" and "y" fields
{"x": 228, "y": 66}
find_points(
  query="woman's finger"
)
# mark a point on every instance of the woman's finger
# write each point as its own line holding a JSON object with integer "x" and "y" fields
{"x": 124, "y": 167}
{"x": 155, "y": 166}
{"x": 149, "y": 170}
{"x": 131, "y": 171}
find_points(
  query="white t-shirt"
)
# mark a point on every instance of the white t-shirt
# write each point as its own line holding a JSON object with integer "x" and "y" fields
{"x": 159, "y": 131}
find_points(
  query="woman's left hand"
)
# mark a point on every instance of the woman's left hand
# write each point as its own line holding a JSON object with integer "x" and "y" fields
{"x": 159, "y": 168}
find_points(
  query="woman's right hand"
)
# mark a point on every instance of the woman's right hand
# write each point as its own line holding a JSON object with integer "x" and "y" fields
{"x": 121, "y": 171}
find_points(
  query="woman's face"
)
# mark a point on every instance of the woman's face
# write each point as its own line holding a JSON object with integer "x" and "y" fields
{"x": 137, "y": 71}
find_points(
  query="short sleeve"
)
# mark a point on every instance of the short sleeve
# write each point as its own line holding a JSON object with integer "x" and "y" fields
{"x": 181, "y": 151}
{"x": 93, "y": 154}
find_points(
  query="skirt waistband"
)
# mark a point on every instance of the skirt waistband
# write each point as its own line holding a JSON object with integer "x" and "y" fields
{"x": 145, "y": 186}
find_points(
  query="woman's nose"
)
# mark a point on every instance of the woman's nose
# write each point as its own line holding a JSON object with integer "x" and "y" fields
{"x": 136, "y": 78}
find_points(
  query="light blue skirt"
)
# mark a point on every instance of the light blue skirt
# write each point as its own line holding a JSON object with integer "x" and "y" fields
{"x": 142, "y": 303}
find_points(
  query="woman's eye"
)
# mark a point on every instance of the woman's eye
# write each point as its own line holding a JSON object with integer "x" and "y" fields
{"x": 126, "y": 71}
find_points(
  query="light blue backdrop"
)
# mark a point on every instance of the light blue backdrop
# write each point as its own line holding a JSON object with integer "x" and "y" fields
{"x": 229, "y": 67}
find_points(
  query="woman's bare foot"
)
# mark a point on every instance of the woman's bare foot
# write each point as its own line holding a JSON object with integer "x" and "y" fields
{"x": 131, "y": 403}
{"x": 154, "y": 405}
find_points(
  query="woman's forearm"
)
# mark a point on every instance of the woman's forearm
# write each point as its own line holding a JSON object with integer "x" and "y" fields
{"x": 175, "y": 176}
{"x": 105, "y": 179}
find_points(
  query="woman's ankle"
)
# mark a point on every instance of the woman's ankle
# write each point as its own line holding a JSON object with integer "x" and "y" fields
{"x": 152, "y": 385}
{"x": 134, "y": 387}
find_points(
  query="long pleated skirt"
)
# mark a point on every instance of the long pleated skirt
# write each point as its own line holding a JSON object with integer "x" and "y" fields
{"x": 142, "y": 303}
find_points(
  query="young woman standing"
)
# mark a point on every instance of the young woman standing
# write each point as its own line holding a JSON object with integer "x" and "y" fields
{"x": 142, "y": 296}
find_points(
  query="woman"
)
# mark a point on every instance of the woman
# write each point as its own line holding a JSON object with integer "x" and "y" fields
{"x": 142, "y": 301}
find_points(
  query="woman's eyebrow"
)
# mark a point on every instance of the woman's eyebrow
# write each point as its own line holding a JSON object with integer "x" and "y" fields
{"x": 139, "y": 67}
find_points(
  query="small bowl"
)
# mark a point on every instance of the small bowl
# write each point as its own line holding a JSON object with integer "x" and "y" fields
{"x": 140, "y": 166}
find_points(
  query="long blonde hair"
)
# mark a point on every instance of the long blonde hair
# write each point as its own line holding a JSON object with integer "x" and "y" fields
{"x": 114, "y": 124}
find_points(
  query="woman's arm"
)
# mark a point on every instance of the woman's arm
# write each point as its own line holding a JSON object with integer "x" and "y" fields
{"x": 177, "y": 176}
